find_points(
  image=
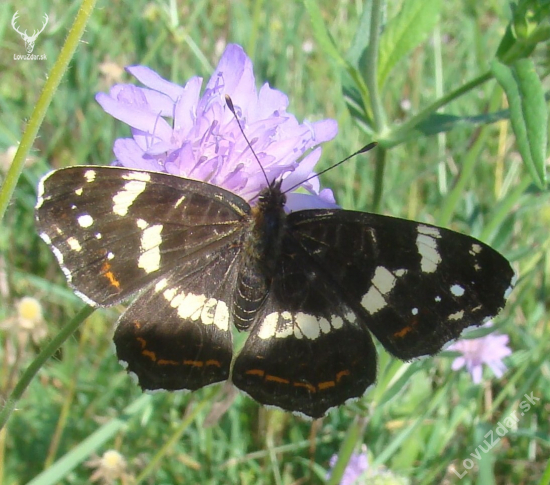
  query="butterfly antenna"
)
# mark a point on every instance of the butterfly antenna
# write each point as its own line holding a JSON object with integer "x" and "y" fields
{"x": 366, "y": 148}
{"x": 231, "y": 107}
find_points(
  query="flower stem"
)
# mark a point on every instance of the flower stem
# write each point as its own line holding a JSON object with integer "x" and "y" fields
{"x": 42, "y": 357}
{"x": 371, "y": 80}
{"x": 353, "y": 436}
{"x": 50, "y": 87}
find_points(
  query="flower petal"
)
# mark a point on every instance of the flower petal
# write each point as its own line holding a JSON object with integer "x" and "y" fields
{"x": 152, "y": 80}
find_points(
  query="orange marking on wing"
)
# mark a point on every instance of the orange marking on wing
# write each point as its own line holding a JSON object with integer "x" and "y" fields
{"x": 167, "y": 362}
{"x": 341, "y": 374}
{"x": 194, "y": 363}
{"x": 217, "y": 363}
{"x": 142, "y": 341}
{"x": 255, "y": 372}
{"x": 151, "y": 355}
{"x": 106, "y": 270}
{"x": 326, "y": 385}
{"x": 279, "y": 380}
{"x": 404, "y": 331}
{"x": 309, "y": 387}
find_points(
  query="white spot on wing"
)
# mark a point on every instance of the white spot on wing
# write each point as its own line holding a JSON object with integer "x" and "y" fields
{"x": 143, "y": 176}
{"x": 74, "y": 244}
{"x": 269, "y": 326}
{"x": 85, "y": 220}
{"x": 179, "y": 201}
{"x": 45, "y": 238}
{"x": 426, "y": 243}
{"x": 324, "y": 325}
{"x": 308, "y": 324}
{"x": 349, "y": 317}
{"x": 209, "y": 311}
{"x": 89, "y": 175}
{"x": 129, "y": 193}
{"x": 456, "y": 316}
{"x": 429, "y": 231}
{"x": 161, "y": 284}
{"x": 221, "y": 316}
{"x": 78, "y": 191}
{"x": 150, "y": 242}
{"x": 476, "y": 249}
{"x": 337, "y": 322}
{"x": 383, "y": 279}
{"x": 191, "y": 306}
{"x": 285, "y": 326}
{"x": 141, "y": 223}
{"x": 457, "y": 290}
{"x": 373, "y": 301}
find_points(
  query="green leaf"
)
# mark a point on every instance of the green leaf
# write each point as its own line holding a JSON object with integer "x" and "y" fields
{"x": 361, "y": 38}
{"x": 528, "y": 113}
{"x": 441, "y": 122}
{"x": 404, "y": 32}
{"x": 352, "y": 79}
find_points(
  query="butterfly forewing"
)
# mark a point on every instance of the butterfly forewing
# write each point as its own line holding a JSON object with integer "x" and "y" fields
{"x": 416, "y": 286}
{"x": 114, "y": 230}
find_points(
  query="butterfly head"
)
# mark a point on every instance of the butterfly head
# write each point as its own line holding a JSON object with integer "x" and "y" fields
{"x": 272, "y": 198}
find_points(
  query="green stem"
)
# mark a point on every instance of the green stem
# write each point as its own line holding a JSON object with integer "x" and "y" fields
{"x": 371, "y": 79}
{"x": 371, "y": 75}
{"x": 380, "y": 166}
{"x": 50, "y": 87}
{"x": 353, "y": 435}
{"x": 37, "y": 364}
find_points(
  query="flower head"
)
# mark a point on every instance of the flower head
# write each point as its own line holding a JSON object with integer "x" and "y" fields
{"x": 358, "y": 464}
{"x": 178, "y": 131}
{"x": 489, "y": 350}
{"x": 109, "y": 468}
{"x": 26, "y": 326}
{"x": 359, "y": 472}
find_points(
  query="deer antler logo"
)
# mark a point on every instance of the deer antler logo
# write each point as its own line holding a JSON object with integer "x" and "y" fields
{"x": 29, "y": 40}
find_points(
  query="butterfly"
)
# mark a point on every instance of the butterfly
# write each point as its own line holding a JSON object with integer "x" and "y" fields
{"x": 309, "y": 287}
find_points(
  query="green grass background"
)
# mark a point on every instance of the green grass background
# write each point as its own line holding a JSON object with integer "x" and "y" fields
{"x": 421, "y": 419}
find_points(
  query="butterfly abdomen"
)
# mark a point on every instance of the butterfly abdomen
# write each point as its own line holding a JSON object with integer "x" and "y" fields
{"x": 262, "y": 251}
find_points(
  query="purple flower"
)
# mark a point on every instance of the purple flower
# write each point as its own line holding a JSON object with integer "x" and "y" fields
{"x": 178, "y": 131}
{"x": 358, "y": 464}
{"x": 489, "y": 350}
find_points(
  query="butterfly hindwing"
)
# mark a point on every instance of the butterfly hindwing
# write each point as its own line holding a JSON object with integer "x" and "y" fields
{"x": 176, "y": 335}
{"x": 307, "y": 350}
{"x": 115, "y": 230}
{"x": 416, "y": 286}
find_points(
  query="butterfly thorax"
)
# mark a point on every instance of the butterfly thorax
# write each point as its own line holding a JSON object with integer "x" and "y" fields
{"x": 262, "y": 250}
